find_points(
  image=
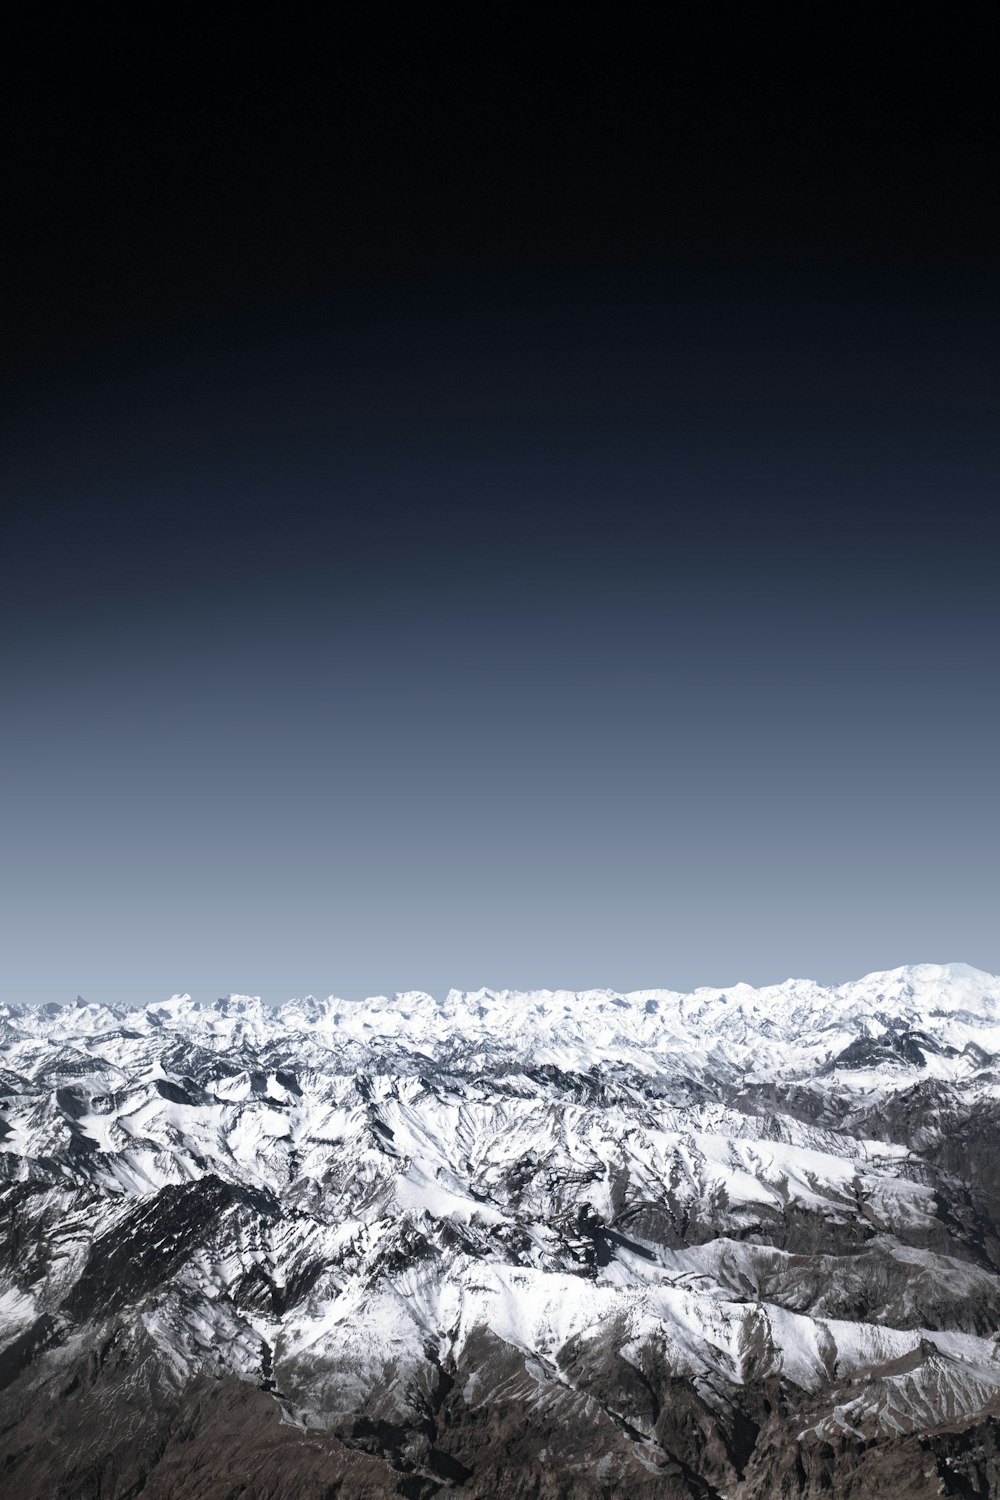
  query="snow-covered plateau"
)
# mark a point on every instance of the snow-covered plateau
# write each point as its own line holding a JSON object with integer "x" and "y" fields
{"x": 736, "y": 1243}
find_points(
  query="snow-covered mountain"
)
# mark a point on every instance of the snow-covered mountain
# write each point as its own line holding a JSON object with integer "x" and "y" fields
{"x": 740, "y": 1243}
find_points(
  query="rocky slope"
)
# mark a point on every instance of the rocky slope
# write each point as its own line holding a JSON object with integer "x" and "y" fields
{"x": 742, "y": 1244}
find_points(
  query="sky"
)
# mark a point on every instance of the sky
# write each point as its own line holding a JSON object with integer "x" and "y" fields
{"x": 499, "y": 517}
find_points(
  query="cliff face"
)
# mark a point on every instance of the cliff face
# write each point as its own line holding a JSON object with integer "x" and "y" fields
{"x": 741, "y": 1244}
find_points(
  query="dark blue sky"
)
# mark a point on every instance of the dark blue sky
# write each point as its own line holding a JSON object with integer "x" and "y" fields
{"x": 556, "y": 553}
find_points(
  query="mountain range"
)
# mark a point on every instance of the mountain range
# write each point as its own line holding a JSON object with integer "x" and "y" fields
{"x": 738, "y": 1243}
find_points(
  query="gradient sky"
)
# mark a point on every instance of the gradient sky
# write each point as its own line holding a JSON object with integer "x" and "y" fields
{"x": 472, "y": 527}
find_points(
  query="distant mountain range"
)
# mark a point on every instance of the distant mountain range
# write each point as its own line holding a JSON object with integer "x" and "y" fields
{"x": 737, "y": 1243}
